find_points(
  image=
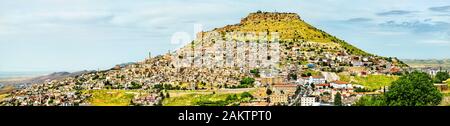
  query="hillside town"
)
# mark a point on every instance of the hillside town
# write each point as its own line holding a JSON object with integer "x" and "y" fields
{"x": 307, "y": 73}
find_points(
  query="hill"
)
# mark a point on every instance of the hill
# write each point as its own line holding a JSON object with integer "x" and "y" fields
{"x": 42, "y": 79}
{"x": 291, "y": 47}
{"x": 290, "y": 27}
{"x": 423, "y": 63}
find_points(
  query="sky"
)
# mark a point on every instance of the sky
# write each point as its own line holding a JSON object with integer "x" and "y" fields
{"x": 73, "y": 35}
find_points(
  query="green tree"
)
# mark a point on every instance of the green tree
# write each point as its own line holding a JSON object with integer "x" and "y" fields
{"x": 255, "y": 72}
{"x": 246, "y": 95}
{"x": 135, "y": 85}
{"x": 414, "y": 89}
{"x": 269, "y": 92}
{"x": 293, "y": 76}
{"x": 231, "y": 97}
{"x": 298, "y": 90}
{"x": 441, "y": 76}
{"x": 337, "y": 99}
{"x": 247, "y": 82}
{"x": 377, "y": 100}
{"x": 161, "y": 94}
{"x": 167, "y": 95}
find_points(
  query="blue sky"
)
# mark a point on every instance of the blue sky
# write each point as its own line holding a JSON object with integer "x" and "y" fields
{"x": 72, "y": 35}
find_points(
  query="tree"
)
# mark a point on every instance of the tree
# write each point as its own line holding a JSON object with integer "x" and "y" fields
{"x": 337, "y": 99}
{"x": 441, "y": 76}
{"x": 377, "y": 100}
{"x": 298, "y": 90}
{"x": 255, "y": 72}
{"x": 293, "y": 76}
{"x": 167, "y": 95}
{"x": 414, "y": 89}
{"x": 268, "y": 92}
{"x": 246, "y": 95}
{"x": 231, "y": 97}
{"x": 135, "y": 85}
{"x": 247, "y": 82}
{"x": 161, "y": 94}
{"x": 362, "y": 90}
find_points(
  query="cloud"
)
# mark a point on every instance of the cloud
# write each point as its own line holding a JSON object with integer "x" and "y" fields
{"x": 436, "y": 42}
{"x": 440, "y": 8}
{"x": 388, "y": 33}
{"x": 393, "y": 45}
{"x": 357, "y": 20}
{"x": 419, "y": 26}
{"x": 395, "y": 12}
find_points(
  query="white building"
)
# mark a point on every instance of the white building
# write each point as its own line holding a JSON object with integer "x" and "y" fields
{"x": 341, "y": 85}
{"x": 307, "y": 101}
{"x": 312, "y": 80}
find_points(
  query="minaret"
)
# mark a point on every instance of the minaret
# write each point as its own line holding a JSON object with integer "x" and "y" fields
{"x": 149, "y": 55}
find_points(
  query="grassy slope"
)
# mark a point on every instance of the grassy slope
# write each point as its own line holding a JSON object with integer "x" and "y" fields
{"x": 111, "y": 97}
{"x": 446, "y": 99}
{"x": 371, "y": 81}
{"x": 2, "y": 96}
{"x": 290, "y": 29}
{"x": 4, "y": 92}
{"x": 195, "y": 98}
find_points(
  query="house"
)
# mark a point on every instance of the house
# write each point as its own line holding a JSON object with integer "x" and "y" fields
{"x": 307, "y": 101}
{"x": 394, "y": 70}
{"x": 268, "y": 73}
{"x": 365, "y": 59}
{"x": 357, "y": 63}
{"x": 313, "y": 80}
{"x": 271, "y": 80}
{"x": 322, "y": 86}
{"x": 258, "y": 82}
{"x": 260, "y": 95}
{"x": 285, "y": 88}
{"x": 278, "y": 99}
{"x": 341, "y": 85}
{"x": 430, "y": 71}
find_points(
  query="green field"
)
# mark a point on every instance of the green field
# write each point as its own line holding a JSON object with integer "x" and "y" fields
{"x": 111, "y": 97}
{"x": 203, "y": 99}
{"x": 371, "y": 81}
{"x": 446, "y": 94}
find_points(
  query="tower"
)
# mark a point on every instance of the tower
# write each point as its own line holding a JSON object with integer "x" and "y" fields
{"x": 149, "y": 55}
